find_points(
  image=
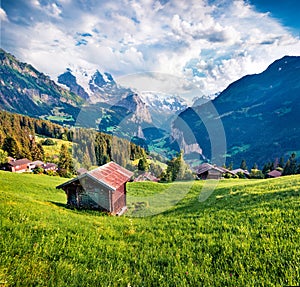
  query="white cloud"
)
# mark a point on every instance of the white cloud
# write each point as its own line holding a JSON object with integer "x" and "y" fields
{"x": 208, "y": 45}
{"x": 3, "y": 15}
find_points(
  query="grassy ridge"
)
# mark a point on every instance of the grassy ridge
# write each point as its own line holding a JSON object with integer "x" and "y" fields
{"x": 246, "y": 234}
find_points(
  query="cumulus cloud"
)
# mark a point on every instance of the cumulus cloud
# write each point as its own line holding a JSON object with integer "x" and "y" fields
{"x": 208, "y": 44}
{"x": 3, "y": 15}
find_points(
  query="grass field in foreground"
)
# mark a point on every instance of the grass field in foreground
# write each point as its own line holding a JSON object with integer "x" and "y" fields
{"x": 247, "y": 233}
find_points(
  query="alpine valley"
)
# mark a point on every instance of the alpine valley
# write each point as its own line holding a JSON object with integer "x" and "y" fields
{"x": 89, "y": 99}
{"x": 259, "y": 114}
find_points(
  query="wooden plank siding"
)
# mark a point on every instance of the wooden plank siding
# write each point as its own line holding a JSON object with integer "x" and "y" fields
{"x": 103, "y": 188}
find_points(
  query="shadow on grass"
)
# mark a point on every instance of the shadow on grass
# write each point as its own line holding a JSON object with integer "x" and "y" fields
{"x": 81, "y": 210}
{"x": 59, "y": 204}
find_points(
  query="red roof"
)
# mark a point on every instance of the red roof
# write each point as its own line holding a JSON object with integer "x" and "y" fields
{"x": 111, "y": 175}
{"x": 19, "y": 162}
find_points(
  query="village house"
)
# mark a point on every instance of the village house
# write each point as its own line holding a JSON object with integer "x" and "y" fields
{"x": 81, "y": 171}
{"x": 209, "y": 171}
{"x": 49, "y": 166}
{"x": 274, "y": 173}
{"x": 146, "y": 176}
{"x": 18, "y": 165}
{"x": 103, "y": 188}
{"x": 35, "y": 164}
{"x": 244, "y": 172}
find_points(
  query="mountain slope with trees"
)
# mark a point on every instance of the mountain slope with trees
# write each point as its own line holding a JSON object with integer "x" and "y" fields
{"x": 17, "y": 139}
{"x": 260, "y": 114}
{"x": 25, "y": 90}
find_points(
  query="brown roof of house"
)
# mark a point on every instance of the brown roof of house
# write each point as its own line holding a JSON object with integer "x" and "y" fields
{"x": 49, "y": 165}
{"x": 206, "y": 167}
{"x": 81, "y": 170}
{"x": 111, "y": 175}
{"x": 244, "y": 171}
{"x": 274, "y": 173}
{"x": 19, "y": 162}
{"x": 146, "y": 176}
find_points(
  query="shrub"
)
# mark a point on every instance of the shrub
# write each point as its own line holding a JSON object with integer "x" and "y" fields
{"x": 257, "y": 174}
{"x": 49, "y": 142}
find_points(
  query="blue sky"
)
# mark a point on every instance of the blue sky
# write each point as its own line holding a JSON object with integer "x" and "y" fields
{"x": 286, "y": 12}
{"x": 207, "y": 44}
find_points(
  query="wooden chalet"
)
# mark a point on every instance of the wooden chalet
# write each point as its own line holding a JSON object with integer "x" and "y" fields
{"x": 245, "y": 172}
{"x": 49, "y": 166}
{"x": 274, "y": 173}
{"x": 18, "y": 165}
{"x": 146, "y": 176}
{"x": 103, "y": 188}
{"x": 209, "y": 171}
{"x": 34, "y": 164}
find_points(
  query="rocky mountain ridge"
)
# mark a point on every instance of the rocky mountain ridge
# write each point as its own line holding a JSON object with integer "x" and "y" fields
{"x": 25, "y": 90}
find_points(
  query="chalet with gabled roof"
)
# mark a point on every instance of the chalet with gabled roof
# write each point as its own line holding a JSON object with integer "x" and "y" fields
{"x": 245, "y": 173}
{"x": 103, "y": 188}
{"x": 209, "y": 171}
{"x": 274, "y": 173}
{"x": 146, "y": 176}
{"x": 49, "y": 166}
{"x": 18, "y": 165}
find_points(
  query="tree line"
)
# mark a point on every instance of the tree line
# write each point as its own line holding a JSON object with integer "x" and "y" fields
{"x": 17, "y": 135}
{"x": 289, "y": 167}
{"x": 90, "y": 148}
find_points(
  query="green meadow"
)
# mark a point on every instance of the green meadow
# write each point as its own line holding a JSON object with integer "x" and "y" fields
{"x": 247, "y": 233}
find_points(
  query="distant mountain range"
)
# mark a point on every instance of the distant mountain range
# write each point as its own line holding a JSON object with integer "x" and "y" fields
{"x": 89, "y": 99}
{"x": 260, "y": 114}
{"x": 96, "y": 87}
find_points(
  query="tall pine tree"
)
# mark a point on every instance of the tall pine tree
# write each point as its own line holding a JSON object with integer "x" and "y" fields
{"x": 65, "y": 163}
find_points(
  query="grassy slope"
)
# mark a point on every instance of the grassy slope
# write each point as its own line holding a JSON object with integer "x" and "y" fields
{"x": 246, "y": 234}
{"x": 53, "y": 150}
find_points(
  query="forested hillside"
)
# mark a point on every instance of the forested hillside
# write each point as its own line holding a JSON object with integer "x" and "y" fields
{"x": 25, "y": 90}
{"x": 17, "y": 138}
{"x": 17, "y": 134}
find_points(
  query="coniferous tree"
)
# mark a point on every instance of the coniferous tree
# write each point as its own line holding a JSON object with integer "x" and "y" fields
{"x": 257, "y": 174}
{"x": 293, "y": 163}
{"x": 290, "y": 166}
{"x": 3, "y": 157}
{"x": 287, "y": 168}
{"x": 11, "y": 146}
{"x": 276, "y": 163}
{"x": 281, "y": 162}
{"x": 155, "y": 169}
{"x": 143, "y": 164}
{"x": 298, "y": 169}
{"x": 65, "y": 163}
{"x": 266, "y": 168}
{"x": 176, "y": 169}
{"x": 243, "y": 165}
{"x": 86, "y": 160}
{"x": 37, "y": 152}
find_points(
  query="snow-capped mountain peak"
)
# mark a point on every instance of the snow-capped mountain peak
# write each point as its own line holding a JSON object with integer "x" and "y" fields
{"x": 163, "y": 102}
